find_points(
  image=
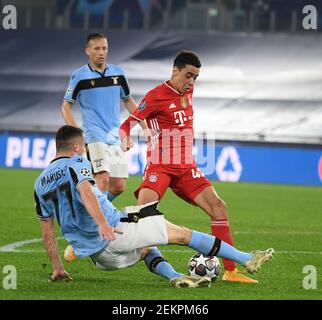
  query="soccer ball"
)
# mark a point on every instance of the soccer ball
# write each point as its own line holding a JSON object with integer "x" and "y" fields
{"x": 201, "y": 265}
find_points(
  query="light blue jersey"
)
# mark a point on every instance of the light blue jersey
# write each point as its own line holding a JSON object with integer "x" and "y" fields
{"x": 56, "y": 196}
{"x": 99, "y": 97}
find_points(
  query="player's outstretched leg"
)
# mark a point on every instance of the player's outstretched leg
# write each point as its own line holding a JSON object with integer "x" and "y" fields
{"x": 157, "y": 264}
{"x": 212, "y": 246}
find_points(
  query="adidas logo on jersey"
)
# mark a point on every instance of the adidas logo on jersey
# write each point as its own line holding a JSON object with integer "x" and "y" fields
{"x": 172, "y": 106}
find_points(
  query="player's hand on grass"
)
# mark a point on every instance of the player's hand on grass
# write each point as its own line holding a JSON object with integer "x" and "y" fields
{"x": 126, "y": 144}
{"x": 59, "y": 275}
{"x": 108, "y": 232}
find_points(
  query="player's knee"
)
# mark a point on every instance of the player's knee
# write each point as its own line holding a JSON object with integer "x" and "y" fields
{"x": 222, "y": 204}
{"x": 102, "y": 181}
{"x": 219, "y": 209}
{"x": 117, "y": 188}
{"x": 183, "y": 235}
{"x": 144, "y": 252}
{"x": 147, "y": 195}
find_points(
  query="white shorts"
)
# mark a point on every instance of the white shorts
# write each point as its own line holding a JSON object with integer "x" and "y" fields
{"x": 109, "y": 158}
{"x": 125, "y": 250}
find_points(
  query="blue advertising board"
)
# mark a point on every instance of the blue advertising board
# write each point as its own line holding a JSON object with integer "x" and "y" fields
{"x": 219, "y": 161}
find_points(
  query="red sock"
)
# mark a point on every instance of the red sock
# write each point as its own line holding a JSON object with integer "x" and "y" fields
{"x": 221, "y": 229}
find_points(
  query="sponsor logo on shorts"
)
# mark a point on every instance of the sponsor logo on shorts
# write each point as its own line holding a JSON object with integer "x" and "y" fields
{"x": 153, "y": 177}
{"x": 98, "y": 162}
{"x": 85, "y": 172}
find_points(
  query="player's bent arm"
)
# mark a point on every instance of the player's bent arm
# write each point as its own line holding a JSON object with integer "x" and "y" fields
{"x": 66, "y": 111}
{"x": 51, "y": 246}
{"x": 124, "y": 132}
{"x": 131, "y": 106}
{"x": 93, "y": 207}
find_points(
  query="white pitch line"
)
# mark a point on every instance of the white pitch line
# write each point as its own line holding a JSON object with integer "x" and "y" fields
{"x": 300, "y": 252}
{"x": 12, "y": 246}
{"x": 280, "y": 232}
{"x": 181, "y": 251}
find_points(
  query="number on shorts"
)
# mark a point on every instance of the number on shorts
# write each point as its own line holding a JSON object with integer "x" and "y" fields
{"x": 196, "y": 173}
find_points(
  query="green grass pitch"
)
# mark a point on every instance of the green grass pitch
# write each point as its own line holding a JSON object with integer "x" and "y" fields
{"x": 287, "y": 218}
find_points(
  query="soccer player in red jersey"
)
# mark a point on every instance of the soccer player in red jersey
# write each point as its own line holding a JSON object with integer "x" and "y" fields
{"x": 168, "y": 112}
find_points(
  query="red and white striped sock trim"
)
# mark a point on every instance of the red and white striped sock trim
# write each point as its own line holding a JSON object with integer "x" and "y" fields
{"x": 220, "y": 223}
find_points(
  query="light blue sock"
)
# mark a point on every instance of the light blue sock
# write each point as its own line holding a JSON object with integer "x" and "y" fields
{"x": 157, "y": 264}
{"x": 110, "y": 196}
{"x": 207, "y": 244}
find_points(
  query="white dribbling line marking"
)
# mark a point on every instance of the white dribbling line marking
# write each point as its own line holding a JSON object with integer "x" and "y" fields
{"x": 12, "y": 246}
{"x": 280, "y": 232}
{"x": 299, "y": 252}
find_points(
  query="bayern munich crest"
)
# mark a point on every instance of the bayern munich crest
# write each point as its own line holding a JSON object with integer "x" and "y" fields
{"x": 153, "y": 177}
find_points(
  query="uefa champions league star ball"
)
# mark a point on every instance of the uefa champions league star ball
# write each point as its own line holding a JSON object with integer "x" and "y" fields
{"x": 204, "y": 266}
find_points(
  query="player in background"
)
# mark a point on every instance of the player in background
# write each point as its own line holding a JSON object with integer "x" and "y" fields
{"x": 66, "y": 190}
{"x": 168, "y": 112}
{"x": 99, "y": 87}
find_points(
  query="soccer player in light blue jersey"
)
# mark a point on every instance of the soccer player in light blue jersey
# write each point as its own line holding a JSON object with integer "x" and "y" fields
{"x": 114, "y": 239}
{"x": 99, "y": 87}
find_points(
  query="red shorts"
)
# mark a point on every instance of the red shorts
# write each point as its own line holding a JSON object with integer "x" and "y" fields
{"x": 186, "y": 183}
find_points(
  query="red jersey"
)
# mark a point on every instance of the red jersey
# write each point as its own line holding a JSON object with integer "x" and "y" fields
{"x": 169, "y": 116}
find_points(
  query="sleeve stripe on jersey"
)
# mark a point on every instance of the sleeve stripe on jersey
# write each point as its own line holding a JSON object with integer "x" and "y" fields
{"x": 101, "y": 82}
{"x": 90, "y": 180}
{"x": 38, "y": 208}
{"x": 72, "y": 101}
{"x": 136, "y": 118}
{"x": 73, "y": 175}
{"x": 44, "y": 218}
{"x": 125, "y": 87}
{"x": 155, "y": 125}
{"x": 126, "y": 98}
